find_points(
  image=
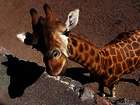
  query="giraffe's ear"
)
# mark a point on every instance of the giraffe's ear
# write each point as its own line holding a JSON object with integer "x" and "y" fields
{"x": 72, "y": 19}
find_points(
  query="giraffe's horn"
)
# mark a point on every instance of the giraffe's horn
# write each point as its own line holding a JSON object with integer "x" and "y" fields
{"x": 34, "y": 16}
{"x": 48, "y": 12}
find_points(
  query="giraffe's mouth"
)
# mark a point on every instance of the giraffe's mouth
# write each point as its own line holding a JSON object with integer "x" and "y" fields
{"x": 55, "y": 67}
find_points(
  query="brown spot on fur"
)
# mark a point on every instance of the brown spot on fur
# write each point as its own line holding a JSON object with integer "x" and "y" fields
{"x": 117, "y": 46}
{"x": 112, "y": 51}
{"x": 105, "y": 61}
{"x": 74, "y": 42}
{"x": 129, "y": 62}
{"x": 124, "y": 65}
{"x": 86, "y": 46}
{"x": 106, "y": 52}
{"x": 70, "y": 50}
{"x": 133, "y": 38}
{"x": 81, "y": 48}
{"x": 86, "y": 56}
{"x": 135, "y": 45}
{"x": 122, "y": 44}
{"x": 137, "y": 52}
{"x": 76, "y": 55}
{"x": 92, "y": 52}
{"x": 138, "y": 64}
{"x": 129, "y": 41}
{"x": 119, "y": 56}
{"x": 129, "y": 47}
{"x": 118, "y": 69}
{"x": 102, "y": 52}
{"x": 97, "y": 58}
{"x": 91, "y": 61}
{"x": 138, "y": 39}
{"x": 132, "y": 54}
{"x": 78, "y": 58}
{"x": 114, "y": 59}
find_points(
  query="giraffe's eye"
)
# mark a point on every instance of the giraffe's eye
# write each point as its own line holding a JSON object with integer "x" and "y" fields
{"x": 66, "y": 33}
{"x": 56, "y": 53}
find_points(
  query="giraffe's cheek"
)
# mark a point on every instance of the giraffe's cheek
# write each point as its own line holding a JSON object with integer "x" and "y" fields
{"x": 56, "y": 66}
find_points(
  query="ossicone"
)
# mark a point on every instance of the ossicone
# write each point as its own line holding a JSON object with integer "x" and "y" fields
{"x": 33, "y": 11}
{"x": 34, "y": 16}
{"x": 47, "y": 9}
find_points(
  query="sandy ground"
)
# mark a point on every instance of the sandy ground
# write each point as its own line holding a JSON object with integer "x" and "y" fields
{"x": 99, "y": 21}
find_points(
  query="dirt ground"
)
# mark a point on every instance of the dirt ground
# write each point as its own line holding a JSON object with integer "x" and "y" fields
{"x": 100, "y": 20}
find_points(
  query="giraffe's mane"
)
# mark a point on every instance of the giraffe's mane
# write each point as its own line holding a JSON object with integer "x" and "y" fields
{"x": 83, "y": 38}
{"x": 122, "y": 37}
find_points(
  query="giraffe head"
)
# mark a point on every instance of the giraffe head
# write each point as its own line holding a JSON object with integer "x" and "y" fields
{"x": 49, "y": 35}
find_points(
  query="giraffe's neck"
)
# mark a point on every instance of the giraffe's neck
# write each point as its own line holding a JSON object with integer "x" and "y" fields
{"x": 84, "y": 52}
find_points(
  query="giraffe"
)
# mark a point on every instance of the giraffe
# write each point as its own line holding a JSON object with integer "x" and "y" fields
{"x": 57, "y": 44}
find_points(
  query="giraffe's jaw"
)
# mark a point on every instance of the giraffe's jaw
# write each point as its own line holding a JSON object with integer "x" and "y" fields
{"x": 55, "y": 66}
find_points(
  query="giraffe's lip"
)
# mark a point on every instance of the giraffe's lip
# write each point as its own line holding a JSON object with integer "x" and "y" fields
{"x": 53, "y": 71}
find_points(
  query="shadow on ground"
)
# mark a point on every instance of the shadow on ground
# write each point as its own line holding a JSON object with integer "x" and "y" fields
{"x": 22, "y": 74}
{"x": 78, "y": 74}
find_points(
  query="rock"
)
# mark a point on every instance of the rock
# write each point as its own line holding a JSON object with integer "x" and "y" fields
{"x": 4, "y": 51}
{"x": 87, "y": 94}
{"x": 123, "y": 101}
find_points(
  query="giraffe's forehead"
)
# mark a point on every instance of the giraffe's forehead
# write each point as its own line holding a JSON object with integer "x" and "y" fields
{"x": 56, "y": 30}
{"x": 61, "y": 28}
{"x": 55, "y": 26}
